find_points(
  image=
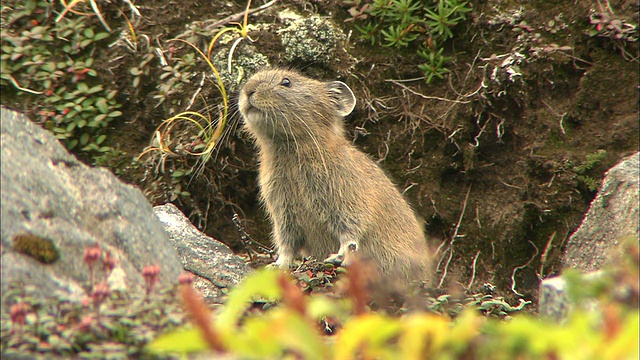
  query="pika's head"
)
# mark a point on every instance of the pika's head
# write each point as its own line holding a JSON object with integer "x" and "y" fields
{"x": 281, "y": 105}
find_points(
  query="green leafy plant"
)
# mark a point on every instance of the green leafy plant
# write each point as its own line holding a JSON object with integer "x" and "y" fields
{"x": 447, "y": 14}
{"x": 421, "y": 24}
{"x": 49, "y": 63}
{"x": 434, "y": 67}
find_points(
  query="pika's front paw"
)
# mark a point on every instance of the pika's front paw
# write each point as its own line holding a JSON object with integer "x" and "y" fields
{"x": 335, "y": 259}
{"x": 283, "y": 262}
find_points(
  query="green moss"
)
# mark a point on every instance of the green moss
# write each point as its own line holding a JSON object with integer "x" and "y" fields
{"x": 39, "y": 248}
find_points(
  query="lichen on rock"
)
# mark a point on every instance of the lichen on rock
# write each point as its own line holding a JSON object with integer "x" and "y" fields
{"x": 245, "y": 61}
{"x": 312, "y": 39}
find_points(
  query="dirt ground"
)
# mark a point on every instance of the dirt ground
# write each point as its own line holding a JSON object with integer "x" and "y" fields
{"x": 501, "y": 158}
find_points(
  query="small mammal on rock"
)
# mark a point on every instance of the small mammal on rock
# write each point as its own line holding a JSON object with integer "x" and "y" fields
{"x": 323, "y": 195}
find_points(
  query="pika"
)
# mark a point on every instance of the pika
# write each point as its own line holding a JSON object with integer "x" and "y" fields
{"x": 324, "y": 197}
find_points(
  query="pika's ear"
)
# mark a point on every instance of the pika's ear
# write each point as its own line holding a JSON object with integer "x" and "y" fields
{"x": 342, "y": 97}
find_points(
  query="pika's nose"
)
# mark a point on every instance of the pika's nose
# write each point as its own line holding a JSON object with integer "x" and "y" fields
{"x": 250, "y": 88}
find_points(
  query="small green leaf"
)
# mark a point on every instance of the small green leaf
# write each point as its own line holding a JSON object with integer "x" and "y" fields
{"x": 100, "y": 139}
{"x": 100, "y": 36}
{"x": 84, "y": 139}
{"x": 89, "y": 33}
{"x": 95, "y": 89}
{"x": 82, "y": 87}
{"x": 102, "y": 105}
{"x": 49, "y": 67}
{"x": 86, "y": 104}
{"x": 72, "y": 144}
{"x": 84, "y": 43}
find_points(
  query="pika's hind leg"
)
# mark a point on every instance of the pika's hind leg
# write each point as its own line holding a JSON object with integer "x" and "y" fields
{"x": 288, "y": 239}
{"x": 344, "y": 228}
{"x": 344, "y": 254}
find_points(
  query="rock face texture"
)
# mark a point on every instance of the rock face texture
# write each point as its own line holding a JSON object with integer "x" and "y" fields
{"x": 612, "y": 217}
{"x": 611, "y": 220}
{"x": 54, "y": 207}
{"x": 213, "y": 263}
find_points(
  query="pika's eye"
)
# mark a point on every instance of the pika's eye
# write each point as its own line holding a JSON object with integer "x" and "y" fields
{"x": 285, "y": 82}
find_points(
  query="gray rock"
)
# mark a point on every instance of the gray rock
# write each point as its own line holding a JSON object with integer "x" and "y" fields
{"x": 612, "y": 217}
{"x": 54, "y": 207}
{"x": 554, "y": 302}
{"x": 213, "y": 263}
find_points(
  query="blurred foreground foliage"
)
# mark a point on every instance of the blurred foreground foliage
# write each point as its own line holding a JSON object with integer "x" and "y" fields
{"x": 321, "y": 312}
{"x": 322, "y": 326}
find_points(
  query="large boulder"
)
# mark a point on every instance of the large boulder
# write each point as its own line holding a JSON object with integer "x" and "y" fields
{"x": 54, "y": 207}
{"x": 612, "y": 217}
{"x": 214, "y": 265}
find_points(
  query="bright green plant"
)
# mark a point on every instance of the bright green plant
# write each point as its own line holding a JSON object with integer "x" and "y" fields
{"x": 447, "y": 14}
{"x": 434, "y": 65}
{"x": 420, "y": 23}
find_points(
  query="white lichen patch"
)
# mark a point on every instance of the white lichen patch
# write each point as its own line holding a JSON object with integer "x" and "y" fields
{"x": 312, "y": 39}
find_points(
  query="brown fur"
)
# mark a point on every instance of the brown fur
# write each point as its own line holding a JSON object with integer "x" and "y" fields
{"x": 320, "y": 192}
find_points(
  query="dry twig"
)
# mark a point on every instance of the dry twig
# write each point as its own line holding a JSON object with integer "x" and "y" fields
{"x": 454, "y": 236}
{"x": 513, "y": 274}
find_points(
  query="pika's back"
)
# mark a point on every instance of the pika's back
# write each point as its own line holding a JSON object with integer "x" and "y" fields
{"x": 282, "y": 105}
